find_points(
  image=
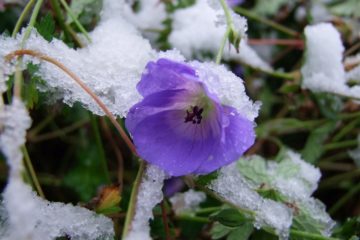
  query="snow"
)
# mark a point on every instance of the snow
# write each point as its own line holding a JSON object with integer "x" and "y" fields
{"x": 150, "y": 194}
{"x": 233, "y": 187}
{"x": 111, "y": 65}
{"x": 27, "y": 216}
{"x": 323, "y": 70}
{"x": 191, "y": 37}
{"x": 149, "y": 16}
{"x": 228, "y": 88}
{"x": 187, "y": 202}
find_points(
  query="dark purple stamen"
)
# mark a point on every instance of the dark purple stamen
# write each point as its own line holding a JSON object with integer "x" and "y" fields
{"x": 194, "y": 115}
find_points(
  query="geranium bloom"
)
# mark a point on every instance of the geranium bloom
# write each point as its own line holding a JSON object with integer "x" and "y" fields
{"x": 182, "y": 127}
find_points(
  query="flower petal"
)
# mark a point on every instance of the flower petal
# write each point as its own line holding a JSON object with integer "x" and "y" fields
{"x": 237, "y": 137}
{"x": 178, "y": 148}
{"x": 164, "y": 75}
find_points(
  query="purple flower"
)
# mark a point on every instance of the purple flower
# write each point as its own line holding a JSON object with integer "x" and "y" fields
{"x": 233, "y": 3}
{"x": 180, "y": 126}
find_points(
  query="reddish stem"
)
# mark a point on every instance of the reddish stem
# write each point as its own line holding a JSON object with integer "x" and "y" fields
{"x": 287, "y": 42}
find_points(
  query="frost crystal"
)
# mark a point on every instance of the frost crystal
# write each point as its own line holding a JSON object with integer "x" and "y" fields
{"x": 149, "y": 195}
{"x": 228, "y": 87}
{"x": 191, "y": 37}
{"x": 295, "y": 180}
{"x": 111, "y": 65}
{"x": 323, "y": 70}
{"x": 232, "y": 186}
{"x": 26, "y": 215}
{"x": 187, "y": 202}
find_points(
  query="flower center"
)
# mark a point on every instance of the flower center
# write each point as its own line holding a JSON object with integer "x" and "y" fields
{"x": 194, "y": 115}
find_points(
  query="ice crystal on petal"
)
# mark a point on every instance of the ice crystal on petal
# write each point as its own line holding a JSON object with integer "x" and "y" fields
{"x": 187, "y": 202}
{"x": 186, "y": 119}
{"x": 149, "y": 195}
{"x": 228, "y": 87}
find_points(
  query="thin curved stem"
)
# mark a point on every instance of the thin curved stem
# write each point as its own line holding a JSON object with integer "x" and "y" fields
{"x": 82, "y": 85}
{"x": 222, "y": 46}
{"x": 76, "y": 21}
{"x": 133, "y": 199}
{"x": 22, "y": 17}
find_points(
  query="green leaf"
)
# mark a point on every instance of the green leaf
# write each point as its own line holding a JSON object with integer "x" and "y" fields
{"x": 85, "y": 176}
{"x": 85, "y": 10}
{"x": 229, "y": 217}
{"x": 218, "y": 231}
{"x": 349, "y": 229}
{"x": 268, "y": 7}
{"x": 314, "y": 145}
{"x": 46, "y": 27}
{"x": 241, "y": 233}
{"x": 347, "y": 8}
{"x": 284, "y": 126}
{"x": 330, "y": 105}
{"x": 254, "y": 169}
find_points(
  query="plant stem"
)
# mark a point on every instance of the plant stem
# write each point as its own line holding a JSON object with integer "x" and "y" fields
{"x": 222, "y": 46}
{"x": 133, "y": 199}
{"x": 32, "y": 21}
{"x": 57, "y": 133}
{"x": 32, "y": 172}
{"x": 100, "y": 147}
{"x": 21, "y": 19}
{"x": 334, "y": 181}
{"x": 344, "y": 199}
{"x": 345, "y": 130}
{"x": 337, "y": 145}
{"x": 82, "y": 85}
{"x": 68, "y": 31}
{"x": 268, "y": 22}
{"x": 310, "y": 236}
{"x": 18, "y": 74}
{"x": 165, "y": 220}
{"x": 76, "y": 21}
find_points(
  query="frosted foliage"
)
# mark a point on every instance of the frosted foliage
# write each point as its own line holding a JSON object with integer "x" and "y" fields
{"x": 228, "y": 87}
{"x": 296, "y": 180}
{"x": 191, "y": 37}
{"x": 14, "y": 121}
{"x": 111, "y": 65}
{"x": 323, "y": 70}
{"x": 232, "y": 186}
{"x": 187, "y": 202}
{"x": 31, "y": 217}
{"x": 150, "y": 194}
{"x": 304, "y": 183}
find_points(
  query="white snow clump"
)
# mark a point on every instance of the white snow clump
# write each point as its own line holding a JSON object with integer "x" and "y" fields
{"x": 196, "y": 29}
{"x": 150, "y": 194}
{"x": 187, "y": 202}
{"x": 111, "y": 65}
{"x": 26, "y": 215}
{"x": 233, "y": 187}
{"x": 228, "y": 87}
{"x": 323, "y": 70}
